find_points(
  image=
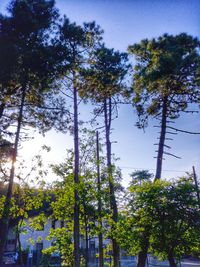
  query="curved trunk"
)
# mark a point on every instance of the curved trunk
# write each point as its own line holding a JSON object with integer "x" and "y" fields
{"x": 4, "y": 221}
{"x": 161, "y": 140}
{"x": 76, "y": 183}
{"x": 113, "y": 203}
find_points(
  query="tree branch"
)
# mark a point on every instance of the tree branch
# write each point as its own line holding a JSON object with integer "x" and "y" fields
{"x": 170, "y": 154}
{"x": 182, "y": 131}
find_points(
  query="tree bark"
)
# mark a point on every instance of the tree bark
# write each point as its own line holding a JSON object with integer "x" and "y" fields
{"x": 86, "y": 241}
{"x": 161, "y": 140}
{"x": 100, "y": 236}
{"x": 76, "y": 184}
{"x": 113, "y": 203}
{"x": 171, "y": 260}
{"x": 142, "y": 255}
{"x": 4, "y": 221}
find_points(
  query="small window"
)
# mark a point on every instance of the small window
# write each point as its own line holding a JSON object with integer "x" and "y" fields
{"x": 92, "y": 245}
{"x": 61, "y": 224}
{"x": 11, "y": 241}
{"x": 53, "y": 224}
{"x": 39, "y": 246}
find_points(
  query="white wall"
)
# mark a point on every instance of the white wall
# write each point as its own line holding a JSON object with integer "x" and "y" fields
{"x": 41, "y": 236}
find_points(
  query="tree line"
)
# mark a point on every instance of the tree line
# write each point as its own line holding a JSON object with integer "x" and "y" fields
{"x": 48, "y": 66}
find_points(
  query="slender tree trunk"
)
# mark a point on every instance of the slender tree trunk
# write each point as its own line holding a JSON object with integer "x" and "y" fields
{"x": 113, "y": 203}
{"x": 162, "y": 140}
{"x": 196, "y": 184}
{"x": 100, "y": 236}
{"x": 20, "y": 249}
{"x": 171, "y": 260}
{"x": 4, "y": 221}
{"x": 87, "y": 242}
{"x": 19, "y": 241}
{"x": 76, "y": 183}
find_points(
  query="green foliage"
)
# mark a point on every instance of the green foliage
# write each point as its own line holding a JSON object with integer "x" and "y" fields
{"x": 62, "y": 245}
{"x": 30, "y": 60}
{"x": 25, "y": 201}
{"x": 170, "y": 210}
{"x": 77, "y": 42}
{"x": 38, "y": 222}
{"x": 105, "y": 75}
{"x": 2, "y": 201}
{"x": 63, "y": 203}
{"x": 167, "y": 68}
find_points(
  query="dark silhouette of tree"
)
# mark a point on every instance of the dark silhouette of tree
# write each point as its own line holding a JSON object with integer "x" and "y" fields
{"x": 140, "y": 176}
{"x": 26, "y": 77}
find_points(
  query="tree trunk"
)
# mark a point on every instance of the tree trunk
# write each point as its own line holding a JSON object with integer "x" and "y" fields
{"x": 4, "y": 221}
{"x": 19, "y": 241}
{"x": 113, "y": 203}
{"x": 87, "y": 246}
{"x": 161, "y": 140}
{"x": 196, "y": 184}
{"x": 87, "y": 242}
{"x": 76, "y": 183}
{"x": 2, "y": 106}
{"x": 142, "y": 255}
{"x": 100, "y": 236}
{"x": 171, "y": 260}
{"x": 20, "y": 249}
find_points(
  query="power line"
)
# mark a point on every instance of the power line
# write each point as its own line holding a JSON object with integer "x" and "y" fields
{"x": 131, "y": 168}
{"x": 135, "y": 168}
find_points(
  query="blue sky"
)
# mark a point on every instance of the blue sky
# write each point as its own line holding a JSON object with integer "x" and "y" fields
{"x": 126, "y": 22}
{"x": 129, "y": 21}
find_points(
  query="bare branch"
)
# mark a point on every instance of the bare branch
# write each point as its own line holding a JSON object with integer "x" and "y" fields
{"x": 170, "y": 121}
{"x": 182, "y": 131}
{"x": 65, "y": 94}
{"x": 163, "y": 145}
{"x": 169, "y": 147}
{"x": 170, "y": 132}
{"x": 191, "y": 111}
{"x": 170, "y": 154}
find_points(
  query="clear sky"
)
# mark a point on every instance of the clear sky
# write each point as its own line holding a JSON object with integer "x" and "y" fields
{"x": 126, "y": 22}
